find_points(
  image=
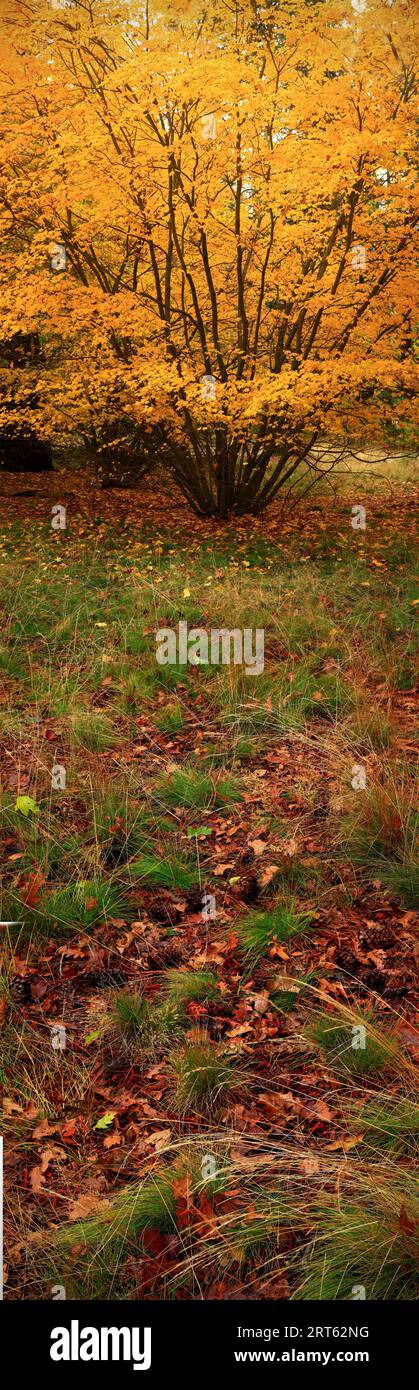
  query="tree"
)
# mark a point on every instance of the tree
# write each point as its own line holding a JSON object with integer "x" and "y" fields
{"x": 229, "y": 190}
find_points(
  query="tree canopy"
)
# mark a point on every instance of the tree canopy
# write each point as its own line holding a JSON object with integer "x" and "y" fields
{"x": 207, "y": 215}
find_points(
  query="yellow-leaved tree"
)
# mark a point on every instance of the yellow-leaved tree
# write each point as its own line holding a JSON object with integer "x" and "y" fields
{"x": 207, "y": 219}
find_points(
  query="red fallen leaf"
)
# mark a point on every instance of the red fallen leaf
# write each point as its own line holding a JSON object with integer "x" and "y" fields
{"x": 183, "y": 1213}
{"x": 278, "y": 951}
{"x": 181, "y": 1187}
{"x": 196, "y": 1010}
{"x": 278, "y": 1290}
{"x": 205, "y": 1207}
{"x": 405, "y": 1222}
{"x": 270, "y": 872}
{"x": 148, "y": 1110}
{"x": 69, "y": 1129}
{"x": 154, "y": 1243}
{"x": 32, "y": 888}
{"x": 90, "y": 902}
{"x": 239, "y": 1029}
{"x": 346, "y": 1144}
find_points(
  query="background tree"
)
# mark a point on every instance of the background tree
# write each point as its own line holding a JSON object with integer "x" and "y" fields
{"x": 232, "y": 188}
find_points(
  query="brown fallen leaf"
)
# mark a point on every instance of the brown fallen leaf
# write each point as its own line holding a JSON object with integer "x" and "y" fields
{"x": 44, "y": 1128}
{"x": 111, "y": 1141}
{"x": 37, "y": 1177}
{"x": 261, "y": 1002}
{"x": 258, "y": 846}
{"x": 290, "y": 848}
{"x": 268, "y": 874}
{"x": 86, "y": 1205}
{"x": 346, "y": 1144}
{"x": 159, "y": 1139}
{"x": 318, "y": 1110}
{"x": 249, "y": 1163}
{"x": 310, "y": 1165}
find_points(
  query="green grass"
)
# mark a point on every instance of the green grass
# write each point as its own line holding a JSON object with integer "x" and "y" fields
{"x": 184, "y": 986}
{"x": 92, "y": 730}
{"x": 380, "y": 832}
{"x": 171, "y": 719}
{"x": 357, "y": 1046}
{"x": 81, "y": 906}
{"x": 204, "y": 1075}
{"x": 144, "y": 1026}
{"x": 155, "y": 757}
{"x": 258, "y": 931}
{"x": 286, "y": 999}
{"x": 191, "y": 789}
{"x": 172, "y": 872}
{"x": 389, "y": 1123}
{"x": 123, "y": 827}
{"x": 363, "y": 1243}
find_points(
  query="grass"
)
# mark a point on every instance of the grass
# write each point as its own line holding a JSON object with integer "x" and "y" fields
{"x": 355, "y": 1046}
{"x": 356, "y": 1229}
{"x": 204, "y": 1076}
{"x": 285, "y": 999}
{"x": 172, "y": 872}
{"x": 81, "y": 906}
{"x": 258, "y": 931}
{"x": 122, "y": 826}
{"x": 194, "y": 790}
{"x": 365, "y": 1244}
{"x": 184, "y": 987}
{"x": 389, "y": 1123}
{"x": 143, "y": 1026}
{"x": 92, "y": 730}
{"x": 380, "y": 831}
{"x": 187, "y": 780}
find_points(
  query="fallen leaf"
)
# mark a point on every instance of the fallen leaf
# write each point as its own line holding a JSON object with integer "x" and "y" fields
{"x": 258, "y": 846}
{"x": 105, "y": 1120}
{"x": 86, "y": 1205}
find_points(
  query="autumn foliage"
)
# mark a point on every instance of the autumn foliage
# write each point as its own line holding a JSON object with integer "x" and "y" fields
{"x": 233, "y": 188}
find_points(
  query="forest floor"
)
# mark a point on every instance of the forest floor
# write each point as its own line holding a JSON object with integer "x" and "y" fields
{"x": 208, "y": 983}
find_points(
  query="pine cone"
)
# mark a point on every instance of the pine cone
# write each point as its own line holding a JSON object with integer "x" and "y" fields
{"x": 251, "y": 890}
{"x": 194, "y": 898}
{"x": 162, "y": 910}
{"x": 20, "y": 990}
{"x": 165, "y": 953}
{"x": 263, "y": 973}
{"x": 346, "y": 959}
